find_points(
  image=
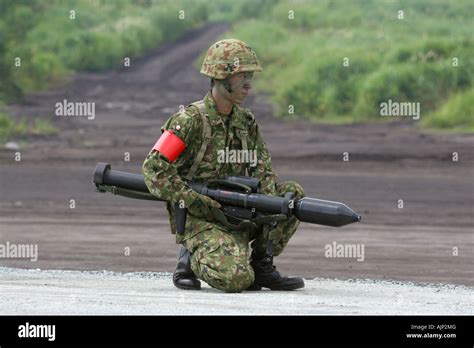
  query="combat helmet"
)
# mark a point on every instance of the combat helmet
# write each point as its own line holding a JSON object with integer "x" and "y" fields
{"x": 227, "y": 57}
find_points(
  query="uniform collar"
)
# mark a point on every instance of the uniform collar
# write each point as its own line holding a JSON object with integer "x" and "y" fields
{"x": 214, "y": 116}
{"x": 237, "y": 117}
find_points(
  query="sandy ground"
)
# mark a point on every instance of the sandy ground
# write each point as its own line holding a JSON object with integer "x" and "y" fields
{"x": 150, "y": 293}
{"x": 429, "y": 240}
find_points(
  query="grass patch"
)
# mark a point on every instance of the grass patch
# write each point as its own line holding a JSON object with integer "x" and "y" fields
{"x": 42, "y": 42}
{"x": 43, "y": 127}
{"x": 10, "y": 129}
{"x": 337, "y": 60}
{"x": 303, "y": 46}
{"x": 456, "y": 114}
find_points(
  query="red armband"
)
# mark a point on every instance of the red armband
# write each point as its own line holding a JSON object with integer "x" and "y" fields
{"x": 169, "y": 145}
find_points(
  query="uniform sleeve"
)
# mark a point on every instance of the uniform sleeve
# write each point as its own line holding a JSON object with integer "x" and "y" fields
{"x": 161, "y": 177}
{"x": 263, "y": 170}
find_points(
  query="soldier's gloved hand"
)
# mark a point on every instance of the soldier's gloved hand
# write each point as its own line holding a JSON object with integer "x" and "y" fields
{"x": 200, "y": 205}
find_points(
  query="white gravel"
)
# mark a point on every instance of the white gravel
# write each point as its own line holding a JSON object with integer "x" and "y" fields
{"x": 37, "y": 292}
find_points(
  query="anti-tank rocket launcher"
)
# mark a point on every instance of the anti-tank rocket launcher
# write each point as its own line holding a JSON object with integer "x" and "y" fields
{"x": 240, "y": 199}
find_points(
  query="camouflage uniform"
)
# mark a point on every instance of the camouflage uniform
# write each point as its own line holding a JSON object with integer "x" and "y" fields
{"x": 220, "y": 256}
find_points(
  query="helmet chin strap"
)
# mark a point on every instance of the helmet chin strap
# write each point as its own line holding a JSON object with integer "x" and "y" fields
{"x": 228, "y": 90}
{"x": 227, "y": 85}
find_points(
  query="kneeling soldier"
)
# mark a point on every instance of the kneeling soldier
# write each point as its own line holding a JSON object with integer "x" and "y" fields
{"x": 191, "y": 148}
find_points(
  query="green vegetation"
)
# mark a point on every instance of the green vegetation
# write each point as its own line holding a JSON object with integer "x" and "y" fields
{"x": 43, "y": 42}
{"x": 11, "y": 129}
{"x": 51, "y": 41}
{"x": 410, "y": 59}
{"x": 407, "y": 60}
{"x": 43, "y": 127}
{"x": 456, "y": 114}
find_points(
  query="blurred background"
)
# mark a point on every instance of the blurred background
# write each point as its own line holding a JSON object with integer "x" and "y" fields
{"x": 427, "y": 56}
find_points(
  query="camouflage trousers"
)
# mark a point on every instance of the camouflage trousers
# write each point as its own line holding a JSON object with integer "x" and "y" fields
{"x": 221, "y": 257}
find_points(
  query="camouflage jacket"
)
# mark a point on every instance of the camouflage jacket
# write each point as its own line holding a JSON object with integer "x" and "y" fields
{"x": 166, "y": 180}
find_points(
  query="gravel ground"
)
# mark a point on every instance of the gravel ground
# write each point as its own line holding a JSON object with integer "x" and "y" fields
{"x": 38, "y": 292}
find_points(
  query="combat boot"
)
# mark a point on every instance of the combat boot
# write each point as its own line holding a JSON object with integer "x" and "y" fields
{"x": 183, "y": 276}
{"x": 266, "y": 276}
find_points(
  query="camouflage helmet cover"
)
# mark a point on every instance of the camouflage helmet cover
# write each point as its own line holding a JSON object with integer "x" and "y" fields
{"x": 228, "y": 57}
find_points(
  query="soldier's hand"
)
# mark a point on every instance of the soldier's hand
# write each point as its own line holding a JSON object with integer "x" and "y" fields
{"x": 200, "y": 205}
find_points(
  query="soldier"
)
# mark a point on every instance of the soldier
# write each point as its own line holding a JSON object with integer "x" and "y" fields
{"x": 189, "y": 150}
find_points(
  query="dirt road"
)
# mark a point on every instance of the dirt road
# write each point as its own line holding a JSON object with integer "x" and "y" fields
{"x": 430, "y": 239}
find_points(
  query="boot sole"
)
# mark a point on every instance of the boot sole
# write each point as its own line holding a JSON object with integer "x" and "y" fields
{"x": 289, "y": 287}
{"x": 286, "y": 288}
{"x": 183, "y": 287}
{"x": 197, "y": 286}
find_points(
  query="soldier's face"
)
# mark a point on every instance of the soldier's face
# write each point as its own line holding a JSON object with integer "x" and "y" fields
{"x": 241, "y": 84}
